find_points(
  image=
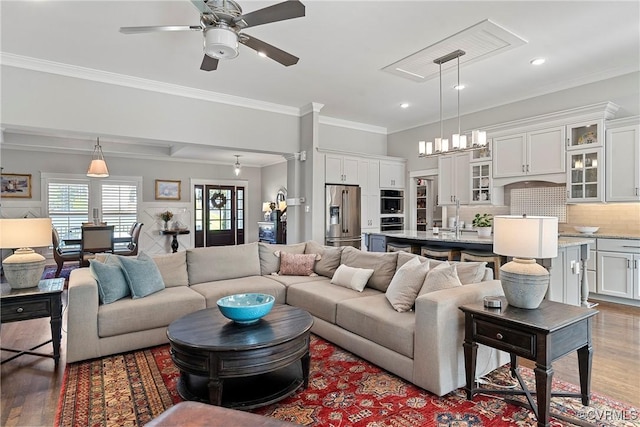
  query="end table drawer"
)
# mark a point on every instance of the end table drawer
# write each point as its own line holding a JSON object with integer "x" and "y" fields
{"x": 510, "y": 340}
{"x": 12, "y": 311}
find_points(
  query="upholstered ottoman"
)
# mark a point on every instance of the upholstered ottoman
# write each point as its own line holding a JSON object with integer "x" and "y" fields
{"x": 194, "y": 414}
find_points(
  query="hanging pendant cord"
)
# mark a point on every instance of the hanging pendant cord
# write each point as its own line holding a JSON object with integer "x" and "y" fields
{"x": 441, "y": 132}
{"x": 458, "y": 89}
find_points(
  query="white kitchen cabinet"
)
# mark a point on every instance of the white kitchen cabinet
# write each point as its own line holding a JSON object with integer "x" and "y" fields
{"x": 392, "y": 175}
{"x": 538, "y": 152}
{"x": 453, "y": 179}
{"x": 623, "y": 164}
{"x": 585, "y": 176}
{"x": 592, "y": 271}
{"x": 619, "y": 268}
{"x": 341, "y": 169}
{"x": 481, "y": 181}
{"x": 369, "y": 179}
{"x": 585, "y": 134}
{"x": 565, "y": 283}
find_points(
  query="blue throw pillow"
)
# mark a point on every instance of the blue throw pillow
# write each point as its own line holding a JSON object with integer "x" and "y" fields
{"x": 142, "y": 274}
{"x": 112, "y": 284}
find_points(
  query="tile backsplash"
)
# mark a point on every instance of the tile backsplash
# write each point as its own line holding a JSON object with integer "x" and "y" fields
{"x": 610, "y": 217}
{"x": 543, "y": 201}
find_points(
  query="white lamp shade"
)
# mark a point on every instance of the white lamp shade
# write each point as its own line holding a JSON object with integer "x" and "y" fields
{"x": 220, "y": 43}
{"x": 282, "y": 205}
{"x": 422, "y": 148}
{"x": 266, "y": 206}
{"x": 25, "y": 232}
{"x": 525, "y": 237}
{"x": 455, "y": 141}
{"x": 98, "y": 169}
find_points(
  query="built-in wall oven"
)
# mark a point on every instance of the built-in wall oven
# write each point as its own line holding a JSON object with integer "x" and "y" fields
{"x": 391, "y": 223}
{"x": 391, "y": 201}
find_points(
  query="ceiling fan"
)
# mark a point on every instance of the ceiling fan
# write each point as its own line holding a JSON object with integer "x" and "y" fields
{"x": 222, "y": 22}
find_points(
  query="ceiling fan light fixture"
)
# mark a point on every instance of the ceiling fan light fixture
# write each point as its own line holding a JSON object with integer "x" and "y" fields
{"x": 220, "y": 43}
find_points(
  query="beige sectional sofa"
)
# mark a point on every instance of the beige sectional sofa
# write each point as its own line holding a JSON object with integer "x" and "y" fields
{"x": 423, "y": 346}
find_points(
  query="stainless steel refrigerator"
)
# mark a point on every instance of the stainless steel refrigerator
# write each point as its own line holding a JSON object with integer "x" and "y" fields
{"x": 342, "y": 215}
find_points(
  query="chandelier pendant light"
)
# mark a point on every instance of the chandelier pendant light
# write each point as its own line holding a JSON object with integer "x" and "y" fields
{"x": 441, "y": 145}
{"x": 98, "y": 167}
{"x": 236, "y": 167}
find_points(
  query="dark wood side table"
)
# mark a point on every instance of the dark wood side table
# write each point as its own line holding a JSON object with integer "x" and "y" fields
{"x": 241, "y": 366}
{"x": 45, "y": 300}
{"x": 542, "y": 335}
{"x": 174, "y": 240}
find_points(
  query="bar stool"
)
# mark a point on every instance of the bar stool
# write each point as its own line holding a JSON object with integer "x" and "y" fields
{"x": 488, "y": 257}
{"x": 445, "y": 254}
{"x": 402, "y": 247}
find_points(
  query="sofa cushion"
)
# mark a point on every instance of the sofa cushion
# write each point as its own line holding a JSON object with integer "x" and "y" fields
{"x": 330, "y": 258}
{"x": 222, "y": 262}
{"x": 373, "y": 318}
{"x": 352, "y": 277}
{"x": 112, "y": 284}
{"x": 470, "y": 272}
{"x": 142, "y": 274}
{"x": 292, "y": 280}
{"x": 320, "y": 298}
{"x": 213, "y": 291}
{"x": 406, "y": 283}
{"x": 173, "y": 268}
{"x": 269, "y": 262}
{"x": 443, "y": 276}
{"x": 297, "y": 264}
{"x": 154, "y": 311}
{"x": 382, "y": 263}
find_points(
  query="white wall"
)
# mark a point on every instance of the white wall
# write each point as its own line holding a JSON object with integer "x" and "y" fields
{"x": 623, "y": 90}
{"x": 353, "y": 140}
{"x": 274, "y": 177}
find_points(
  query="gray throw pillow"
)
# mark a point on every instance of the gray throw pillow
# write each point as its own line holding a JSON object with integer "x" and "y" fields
{"x": 444, "y": 276}
{"x": 406, "y": 284}
{"x": 142, "y": 274}
{"x": 112, "y": 284}
{"x": 330, "y": 260}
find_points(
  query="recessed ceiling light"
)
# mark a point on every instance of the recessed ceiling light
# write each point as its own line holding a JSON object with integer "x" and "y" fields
{"x": 538, "y": 61}
{"x": 459, "y": 87}
{"x": 262, "y": 54}
{"x": 404, "y": 105}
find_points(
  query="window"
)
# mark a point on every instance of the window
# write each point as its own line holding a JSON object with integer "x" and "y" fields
{"x": 71, "y": 200}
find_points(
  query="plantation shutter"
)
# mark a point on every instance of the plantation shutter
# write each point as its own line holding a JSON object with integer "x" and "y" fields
{"x": 119, "y": 205}
{"x": 68, "y": 205}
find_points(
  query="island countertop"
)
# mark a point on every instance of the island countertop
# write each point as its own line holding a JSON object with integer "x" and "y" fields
{"x": 470, "y": 237}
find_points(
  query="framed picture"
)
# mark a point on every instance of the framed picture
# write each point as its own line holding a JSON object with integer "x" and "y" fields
{"x": 16, "y": 185}
{"x": 167, "y": 190}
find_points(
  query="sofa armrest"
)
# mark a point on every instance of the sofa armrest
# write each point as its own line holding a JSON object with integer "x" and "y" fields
{"x": 82, "y": 316}
{"x": 439, "y": 333}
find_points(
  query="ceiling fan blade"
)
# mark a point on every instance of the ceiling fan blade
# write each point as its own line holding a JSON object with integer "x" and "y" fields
{"x": 209, "y": 63}
{"x": 278, "y": 12}
{"x": 199, "y": 4}
{"x": 270, "y": 51}
{"x": 153, "y": 29}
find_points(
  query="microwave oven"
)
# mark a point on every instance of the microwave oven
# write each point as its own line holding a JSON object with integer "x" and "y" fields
{"x": 391, "y": 201}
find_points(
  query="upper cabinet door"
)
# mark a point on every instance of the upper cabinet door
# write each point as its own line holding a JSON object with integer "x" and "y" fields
{"x": 509, "y": 155}
{"x": 350, "y": 170}
{"x": 585, "y": 134}
{"x": 546, "y": 154}
{"x": 623, "y": 164}
{"x": 392, "y": 175}
{"x": 340, "y": 170}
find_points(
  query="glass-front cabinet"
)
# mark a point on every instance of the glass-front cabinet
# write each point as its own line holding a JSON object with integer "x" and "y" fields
{"x": 584, "y": 176}
{"x": 585, "y": 134}
{"x": 481, "y": 184}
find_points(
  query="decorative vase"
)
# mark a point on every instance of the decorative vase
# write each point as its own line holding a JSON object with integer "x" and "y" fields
{"x": 484, "y": 231}
{"x": 166, "y": 225}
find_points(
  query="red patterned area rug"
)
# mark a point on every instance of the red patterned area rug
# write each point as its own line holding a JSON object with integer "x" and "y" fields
{"x": 133, "y": 388}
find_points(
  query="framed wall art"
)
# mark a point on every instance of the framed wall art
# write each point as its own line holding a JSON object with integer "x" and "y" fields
{"x": 15, "y": 185}
{"x": 167, "y": 190}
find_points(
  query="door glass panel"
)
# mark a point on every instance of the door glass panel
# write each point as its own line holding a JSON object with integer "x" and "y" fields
{"x": 591, "y": 175}
{"x": 584, "y": 135}
{"x": 576, "y": 191}
{"x": 576, "y": 176}
{"x": 591, "y": 190}
{"x": 576, "y": 162}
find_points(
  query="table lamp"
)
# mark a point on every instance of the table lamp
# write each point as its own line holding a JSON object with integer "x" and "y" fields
{"x": 24, "y": 268}
{"x": 525, "y": 238}
{"x": 266, "y": 208}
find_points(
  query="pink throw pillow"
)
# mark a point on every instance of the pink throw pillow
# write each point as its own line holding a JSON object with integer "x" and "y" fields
{"x": 297, "y": 264}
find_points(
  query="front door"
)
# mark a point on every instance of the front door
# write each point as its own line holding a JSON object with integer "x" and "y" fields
{"x": 220, "y": 209}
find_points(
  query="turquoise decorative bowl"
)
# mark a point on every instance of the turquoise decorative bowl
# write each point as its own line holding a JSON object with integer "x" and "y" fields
{"x": 245, "y": 309}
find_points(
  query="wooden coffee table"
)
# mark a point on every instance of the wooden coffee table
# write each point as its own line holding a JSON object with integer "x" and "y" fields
{"x": 241, "y": 366}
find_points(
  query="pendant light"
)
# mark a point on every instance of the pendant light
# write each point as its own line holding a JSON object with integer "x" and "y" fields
{"x": 458, "y": 140}
{"x": 98, "y": 167}
{"x": 236, "y": 167}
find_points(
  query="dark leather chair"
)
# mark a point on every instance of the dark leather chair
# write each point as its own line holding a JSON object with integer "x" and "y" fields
{"x": 132, "y": 247}
{"x": 60, "y": 254}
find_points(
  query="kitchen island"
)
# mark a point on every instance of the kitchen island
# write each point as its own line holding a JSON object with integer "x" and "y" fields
{"x": 568, "y": 270}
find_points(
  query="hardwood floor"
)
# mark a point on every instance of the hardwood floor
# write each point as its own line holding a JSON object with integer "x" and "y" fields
{"x": 30, "y": 385}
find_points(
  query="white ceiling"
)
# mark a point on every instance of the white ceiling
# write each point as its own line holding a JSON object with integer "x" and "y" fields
{"x": 343, "y": 47}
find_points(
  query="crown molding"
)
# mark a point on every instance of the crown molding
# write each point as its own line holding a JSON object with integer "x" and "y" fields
{"x": 331, "y": 121}
{"x": 29, "y": 63}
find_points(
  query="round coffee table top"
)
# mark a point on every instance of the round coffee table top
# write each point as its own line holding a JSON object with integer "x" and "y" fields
{"x": 209, "y": 330}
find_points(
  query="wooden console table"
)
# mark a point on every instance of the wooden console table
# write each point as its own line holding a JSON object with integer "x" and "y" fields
{"x": 44, "y": 300}
{"x": 174, "y": 240}
{"x": 542, "y": 335}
